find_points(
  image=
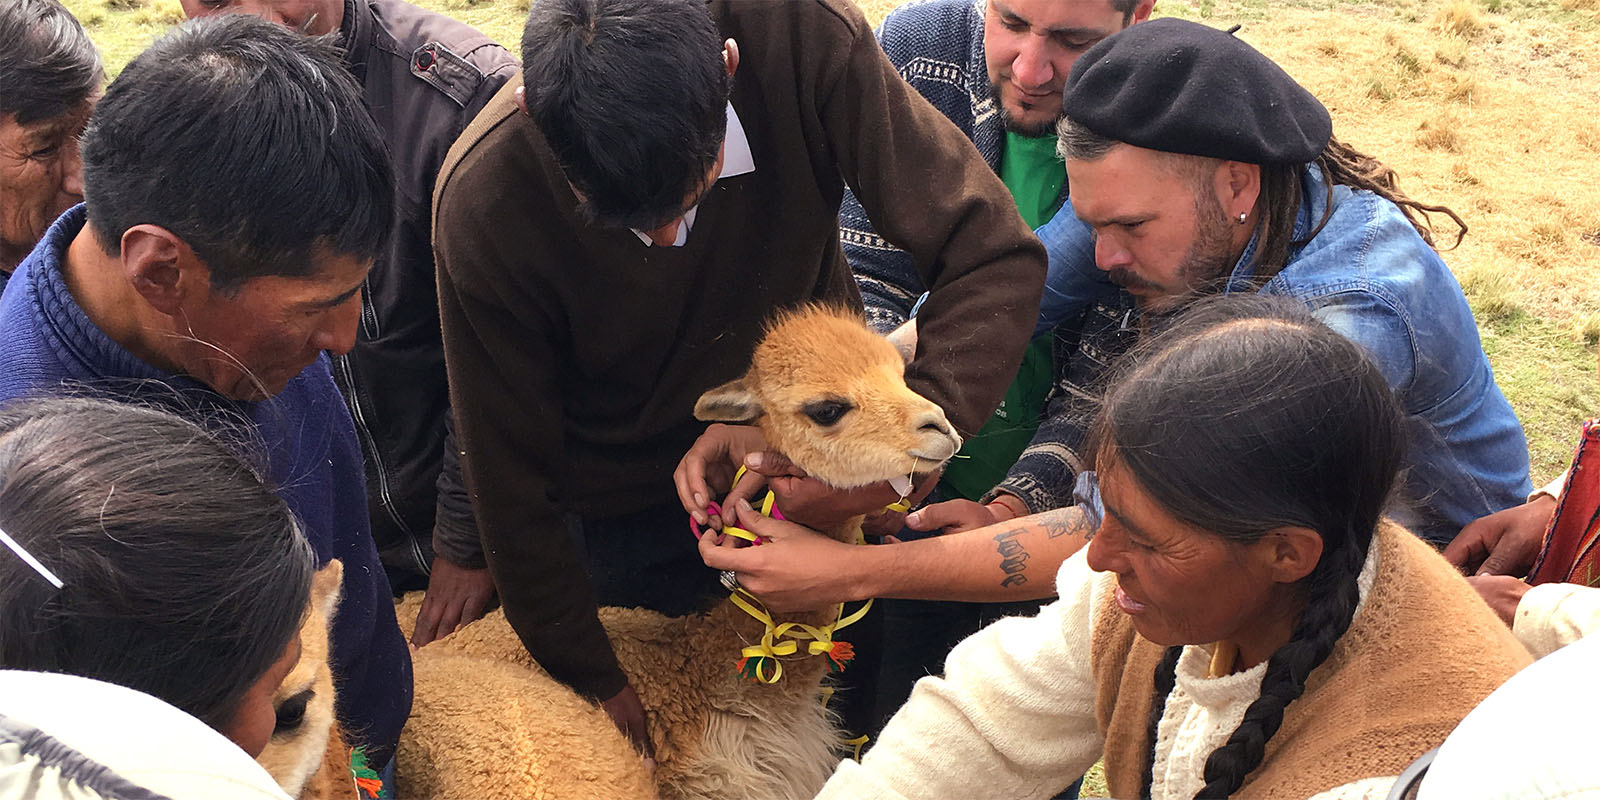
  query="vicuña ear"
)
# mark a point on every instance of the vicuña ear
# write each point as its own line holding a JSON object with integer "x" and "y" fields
{"x": 904, "y": 339}
{"x": 731, "y": 402}
{"x": 325, "y": 586}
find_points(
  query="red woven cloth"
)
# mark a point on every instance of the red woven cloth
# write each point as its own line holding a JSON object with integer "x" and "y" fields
{"x": 1569, "y": 554}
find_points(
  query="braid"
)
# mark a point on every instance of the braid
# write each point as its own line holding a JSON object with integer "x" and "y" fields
{"x": 1341, "y": 164}
{"x": 1166, "y": 678}
{"x": 1330, "y": 606}
{"x": 1346, "y": 165}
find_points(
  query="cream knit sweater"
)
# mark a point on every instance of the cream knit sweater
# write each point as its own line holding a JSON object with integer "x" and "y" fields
{"x": 1013, "y": 716}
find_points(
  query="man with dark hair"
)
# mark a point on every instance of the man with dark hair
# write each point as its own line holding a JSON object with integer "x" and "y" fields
{"x": 423, "y": 76}
{"x": 1203, "y": 168}
{"x": 51, "y": 74}
{"x": 611, "y": 234}
{"x": 996, "y": 69}
{"x": 221, "y": 248}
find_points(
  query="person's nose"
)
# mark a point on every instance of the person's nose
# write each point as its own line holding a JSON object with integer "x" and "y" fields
{"x": 1110, "y": 254}
{"x": 1105, "y": 553}
{"x": 1032, "y": 69}
{"x": 337, "y": 333}
{"x": 72, "y": 171}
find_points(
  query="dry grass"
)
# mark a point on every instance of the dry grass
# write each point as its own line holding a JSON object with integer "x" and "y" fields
{"x": 1459, "y": 18}
{"x": 1486, "y": 106}
{"x": 1442, "y": 133}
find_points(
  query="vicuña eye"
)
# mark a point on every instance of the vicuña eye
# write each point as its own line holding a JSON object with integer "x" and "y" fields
{"x": 827, "y": 412}
{"x": 292, "y": 712}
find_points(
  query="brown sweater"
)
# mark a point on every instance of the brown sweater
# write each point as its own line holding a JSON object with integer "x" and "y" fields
{"x": 1361, "y": 715}
{"x": 576, "y": 353}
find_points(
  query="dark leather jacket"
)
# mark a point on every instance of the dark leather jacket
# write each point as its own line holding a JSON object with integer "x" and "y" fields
{"x": 424, "y": 76}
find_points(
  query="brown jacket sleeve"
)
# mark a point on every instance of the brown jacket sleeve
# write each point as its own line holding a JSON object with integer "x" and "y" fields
{"x": 929, "y": 192}
{"x": 504, "y": 391}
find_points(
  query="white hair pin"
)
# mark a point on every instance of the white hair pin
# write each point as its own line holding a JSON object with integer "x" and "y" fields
{"x": 26, "y": 556}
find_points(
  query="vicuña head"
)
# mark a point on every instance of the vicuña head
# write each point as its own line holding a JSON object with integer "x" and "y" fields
{"x": 306, "y": 754}
{"x": 831, "y": 395}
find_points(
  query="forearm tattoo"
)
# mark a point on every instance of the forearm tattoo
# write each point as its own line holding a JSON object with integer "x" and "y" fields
{"x": 1068, "y": 521}
{"x": 1013, "y": 557}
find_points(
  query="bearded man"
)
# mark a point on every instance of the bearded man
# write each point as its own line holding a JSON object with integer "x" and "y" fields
{"x": 1196, "y": 183}
{"x": 1203, "y": 168}
{"x": 996, "y": 69}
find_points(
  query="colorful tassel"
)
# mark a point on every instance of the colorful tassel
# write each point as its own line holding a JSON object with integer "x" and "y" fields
{"x": 368, "y": 785}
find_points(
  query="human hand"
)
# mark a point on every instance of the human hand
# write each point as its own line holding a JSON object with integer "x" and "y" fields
{"x": 955, "y": 516}
{"x": 706, "y": 471}
{"x": 456, "y": 596}
{"x": 627, "y": 713}
{"x": 815, "y": 504}
{"x": 1503, "y": 543}
{"x": 1503, "y": 593}
{"x": 795, "y": 569}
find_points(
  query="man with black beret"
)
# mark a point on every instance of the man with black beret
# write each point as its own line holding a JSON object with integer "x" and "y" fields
{"x": 1202, "y": 168}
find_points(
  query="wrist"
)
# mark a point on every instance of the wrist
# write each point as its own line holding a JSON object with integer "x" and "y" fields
{"x": 871, "y": 572}
{"x": 1006, "y": 507}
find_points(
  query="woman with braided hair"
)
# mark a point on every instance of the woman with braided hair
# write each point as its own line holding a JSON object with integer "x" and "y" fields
{"x": 1244, "y": 622}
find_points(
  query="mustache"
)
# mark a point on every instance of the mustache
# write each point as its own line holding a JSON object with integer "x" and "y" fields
{"x": 1127, "y": 280}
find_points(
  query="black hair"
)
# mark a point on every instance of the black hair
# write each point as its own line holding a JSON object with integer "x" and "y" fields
{"x": 1126, "y": 8}
{"x": 631, "y": 96}
{"x": 48, "y": 64}
{"x": 247, "y": 141}
{"x": 184, "y": 576}
{"x": 1246, "y": 415}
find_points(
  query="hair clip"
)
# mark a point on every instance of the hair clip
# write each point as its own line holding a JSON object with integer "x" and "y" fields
{"x": 31, "y": 561}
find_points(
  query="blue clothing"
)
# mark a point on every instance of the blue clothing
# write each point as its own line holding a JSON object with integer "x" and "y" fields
{"x": 1368, "y": 275}
{"x": 937, "y": 46}
{"x": 304, "y": 435}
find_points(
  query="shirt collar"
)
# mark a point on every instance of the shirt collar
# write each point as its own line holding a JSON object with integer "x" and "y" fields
{"x": 736, "y": 160}
{"x": 1313, "y": 199}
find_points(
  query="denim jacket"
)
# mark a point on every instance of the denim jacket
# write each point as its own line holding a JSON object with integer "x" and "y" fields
{"x": 1368, "y": 275}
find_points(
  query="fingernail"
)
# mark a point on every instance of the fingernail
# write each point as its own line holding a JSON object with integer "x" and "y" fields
{"x": 754, "y": 460}
{"x": 699, "y": 499}
{"x": 914, "y": 518}
{"x": 744, "y": 505}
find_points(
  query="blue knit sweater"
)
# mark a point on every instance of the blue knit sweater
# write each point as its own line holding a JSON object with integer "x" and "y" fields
{"x": 303, "y": 436}
{"x": 937, "y": 45}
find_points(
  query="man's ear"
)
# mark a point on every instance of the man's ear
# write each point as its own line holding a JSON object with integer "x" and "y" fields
{"x": 730, "y": 56}
{"x": 731, "y": 402}
{"x": 1237, "y": 185}
{"x": 1293, "y": 552}
{"x": 162, "y": 268}
{"x": 521, "y": 94}
{"x": 1141, "y": 11}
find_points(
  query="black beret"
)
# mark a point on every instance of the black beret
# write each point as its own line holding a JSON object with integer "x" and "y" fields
{"x": 1182, "y": 87}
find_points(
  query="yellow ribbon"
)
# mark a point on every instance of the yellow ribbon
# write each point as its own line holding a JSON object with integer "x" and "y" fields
{"x": 781, "y": 639}
{"x": 857, "y": 743}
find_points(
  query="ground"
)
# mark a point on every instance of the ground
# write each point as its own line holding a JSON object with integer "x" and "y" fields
{"x": 1480, "y": 106}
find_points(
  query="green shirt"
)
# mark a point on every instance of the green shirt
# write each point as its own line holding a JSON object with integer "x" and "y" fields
{"x": 1033, "y": 172}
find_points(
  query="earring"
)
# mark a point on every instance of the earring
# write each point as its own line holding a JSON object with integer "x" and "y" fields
{"x": 1241, "y": 217}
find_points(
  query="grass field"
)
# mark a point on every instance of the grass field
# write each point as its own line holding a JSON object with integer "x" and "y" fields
{"x": 1485, "y": 106}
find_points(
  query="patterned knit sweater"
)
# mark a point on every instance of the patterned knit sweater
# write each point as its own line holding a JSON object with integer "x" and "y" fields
{"x": 1026, "y": 705}
{"x": 937, "y": 46}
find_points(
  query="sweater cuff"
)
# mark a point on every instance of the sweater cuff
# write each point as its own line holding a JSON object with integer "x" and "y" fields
{"x": 1553, "y": 488}
{"x": 458, "y": 545}
{"x": 1554, "y": 615}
